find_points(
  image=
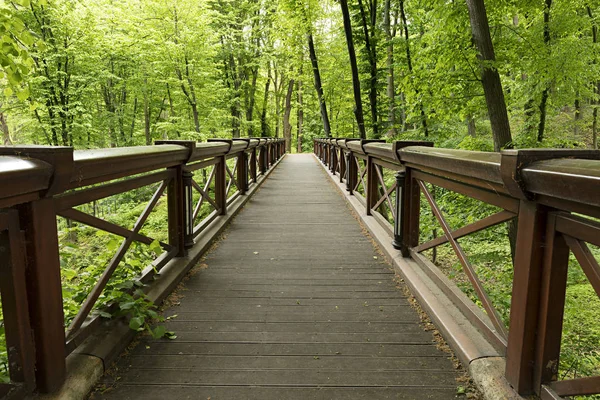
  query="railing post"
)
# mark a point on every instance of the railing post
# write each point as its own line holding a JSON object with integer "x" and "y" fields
{"x": 520, "y": 353}
{"x": 253, "y": 174}
{"x": 188, "y": 209}
{"x": 221, "y": 185}
{"x": 552, "y": 305}
{"x": 332, "y": 158}
{"x": 342, "y": 165}
{"x": 399, "y": 221}
{"x": 14, "y": 301}
{"x": 44, "y": 292}
{"x": 176, "y": 200}
{"x": 523, "y": 336}
{"x": 371, "y": 189}
{"x": 242, "y": 172}
{"x": 179, "y": 201}
{"x": 262, "y": 159}
{"x": 411, "y": 212}
{"x": 352, "y": 172}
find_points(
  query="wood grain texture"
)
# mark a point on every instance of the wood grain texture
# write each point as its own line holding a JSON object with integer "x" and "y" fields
{"x": 295, "y": 304}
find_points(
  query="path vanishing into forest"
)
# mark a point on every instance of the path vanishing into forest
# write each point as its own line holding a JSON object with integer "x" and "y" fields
{"x": 295, "y": 303}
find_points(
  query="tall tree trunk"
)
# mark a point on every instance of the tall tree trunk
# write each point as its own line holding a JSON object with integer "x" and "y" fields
{"x": 577, "y": 116}
{"x": 263, "y": 117}
{"x": 300, "y": 115}
{"x": 251, "y": 101}
{"x": 371, "y": 48}
{"x": 471, "y": 126}
{"x": 287, "y": 127}
{"x": 147, "y": 115}
{"x": 410, "y": 66}
{"x": 5, "y": 131}
{"x": 545, "y": 92}
{"x": 358, "y": 110}
{"x": 490, "y": 78}
{"x": 318, "y": 86}
{"x": 596, "y": 102}
{"x": 391, "y": 90}
{"x": 492, "y": 88}
{"x": 135, "y": 106}
{"x": 278, "y": 82}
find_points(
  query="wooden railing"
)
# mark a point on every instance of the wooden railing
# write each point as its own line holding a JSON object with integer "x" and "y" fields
{"x": 554, "y": 197}
{"x": 39, "y": 183}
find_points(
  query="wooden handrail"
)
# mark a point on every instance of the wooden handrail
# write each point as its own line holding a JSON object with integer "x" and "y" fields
{"x": 539, "y": 187}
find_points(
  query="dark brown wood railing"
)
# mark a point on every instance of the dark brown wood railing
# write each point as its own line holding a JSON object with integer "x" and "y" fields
{"x": 39, "y": 183}
{"x": 554, "y": 195}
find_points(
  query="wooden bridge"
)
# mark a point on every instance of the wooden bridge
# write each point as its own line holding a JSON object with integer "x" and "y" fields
{"x": 294, "y": 301}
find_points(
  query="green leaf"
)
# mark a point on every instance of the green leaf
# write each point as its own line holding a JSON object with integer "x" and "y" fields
{"x": 159, "y": 332}
{"x": 8, "y": 92}
{"x": 156, "y": 247}
{"x": 136, "y": 323}
{"x": 127, "y": 306}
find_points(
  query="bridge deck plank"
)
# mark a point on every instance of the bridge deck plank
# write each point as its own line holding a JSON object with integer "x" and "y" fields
{"x": 295, "y": 303}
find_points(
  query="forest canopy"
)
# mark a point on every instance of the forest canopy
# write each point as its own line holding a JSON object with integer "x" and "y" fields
{"x": 107, "y": 73}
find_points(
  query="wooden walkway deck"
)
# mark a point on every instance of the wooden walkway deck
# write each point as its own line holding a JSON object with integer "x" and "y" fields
{"x": 293, "y": 305}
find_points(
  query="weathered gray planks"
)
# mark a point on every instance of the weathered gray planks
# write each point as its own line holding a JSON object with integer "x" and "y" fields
{"x": 295, "y": 304}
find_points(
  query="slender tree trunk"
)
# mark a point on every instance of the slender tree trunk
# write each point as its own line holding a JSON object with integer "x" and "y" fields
{"x": 410, "y": 67}
{"x": 135, "y": 105}
{"x": 358, "y": 110}
{"x": 471, "y": 126}
{"x": 287, "y": 127}
{"x": 596, "y": 102}
{"x": 278, "y": 88}
{"x": 318, "y": 86}
{"x": 391, "y": 90}
{"x": 263, "y": 117}
{"x": 577, "y": 116}
{"x": 300, "y": 115}
{"x": 545, "y": 92}
{"x": 5, "y": 131}
{"x": 251, "y": 102}
{"x": 147, "y": 115}
{"x": 492, "y": 88}
{"x": 490, "y": 78}
{"x": 371, "y": 48}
